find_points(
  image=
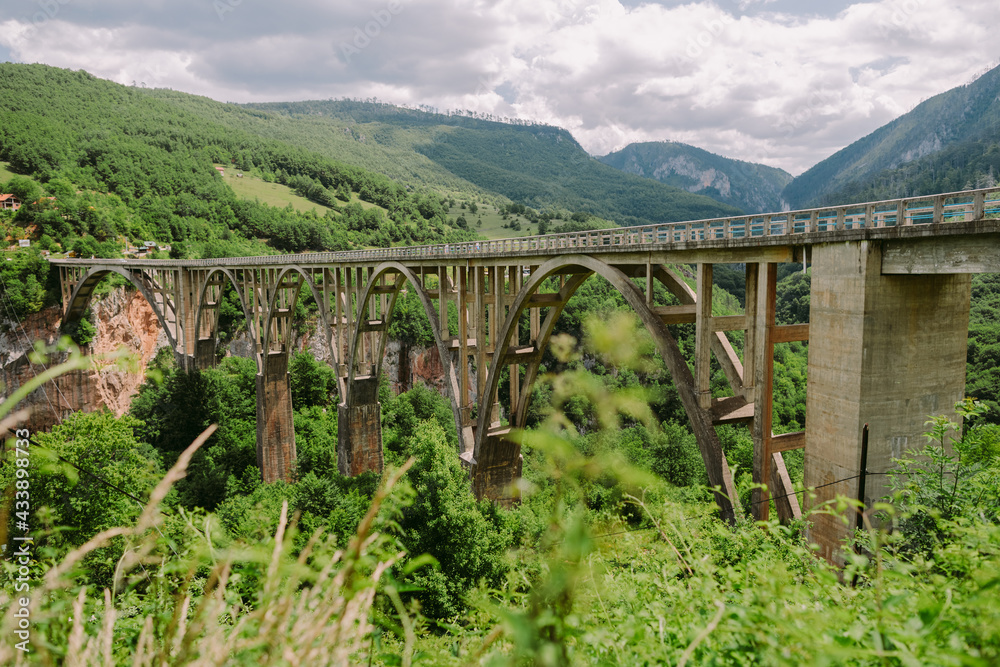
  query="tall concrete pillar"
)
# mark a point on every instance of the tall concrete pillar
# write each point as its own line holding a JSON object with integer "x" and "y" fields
{"x": 204, "y": 356}
{"x": 887, "y": 351}
{"x": 359, "y": 429}
{"x": 496, "y": 470}
{"x": 275, "y": 424}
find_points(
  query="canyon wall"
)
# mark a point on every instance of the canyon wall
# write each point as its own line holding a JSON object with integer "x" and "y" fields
{"x": 125, "y": 321}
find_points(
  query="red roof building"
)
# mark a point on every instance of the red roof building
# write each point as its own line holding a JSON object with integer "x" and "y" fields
{"x": 9, "y": 203}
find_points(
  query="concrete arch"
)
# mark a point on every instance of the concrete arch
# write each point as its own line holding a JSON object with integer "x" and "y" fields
{"x": 451, "y": 379}
{"x": 585, "y": 267}
{"x": 307, "y": 280}
{"x": 201, "y": 305}
{"x": 84, "y": 289}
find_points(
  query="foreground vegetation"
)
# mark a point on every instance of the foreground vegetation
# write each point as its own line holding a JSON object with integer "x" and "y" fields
{"x": 602, "y": 562}
{"x": 151, "y": 550}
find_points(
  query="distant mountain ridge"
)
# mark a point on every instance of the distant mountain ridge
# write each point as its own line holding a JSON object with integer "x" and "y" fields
{"x": 754, "y": 188}
{"x": 532, "y": 164}
{"x": 936, "y": 145}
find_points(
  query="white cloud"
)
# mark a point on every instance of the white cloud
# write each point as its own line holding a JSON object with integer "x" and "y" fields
{"x": 759, "y": 81}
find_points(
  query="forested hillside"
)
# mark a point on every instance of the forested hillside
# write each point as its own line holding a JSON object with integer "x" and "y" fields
{"x": 753, "y": 188}
{"x": 962, "y": 166}
{"x": 116, "y": 161}
{"x": 615, "y": 553}
{"x": 535, "y": 165}
{"x": 964, "y": 121}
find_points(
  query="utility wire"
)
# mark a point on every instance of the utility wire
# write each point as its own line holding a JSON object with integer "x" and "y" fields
{"x": 103, "y": 481}
{"x": 58, "y": 414}
{"x": 12, "y": 314}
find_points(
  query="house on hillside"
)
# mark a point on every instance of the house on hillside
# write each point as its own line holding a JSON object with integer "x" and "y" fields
{"x": 9, "y": 203}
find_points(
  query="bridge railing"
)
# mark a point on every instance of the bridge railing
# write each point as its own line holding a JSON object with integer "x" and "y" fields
{"x": 927, "y": 210}
{"x": 931, "y": 209}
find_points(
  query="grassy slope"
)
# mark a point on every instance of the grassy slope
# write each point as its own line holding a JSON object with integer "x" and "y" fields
{"x": 390, "y": 151}
{"x": 5, "y": 172}
{"x": 274, "y": 194}
{"x": 539, "y": 166}
{"x": 253, "y": 187}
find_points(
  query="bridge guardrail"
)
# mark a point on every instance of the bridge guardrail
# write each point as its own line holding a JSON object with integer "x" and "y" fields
{"x": 930, "y": 209}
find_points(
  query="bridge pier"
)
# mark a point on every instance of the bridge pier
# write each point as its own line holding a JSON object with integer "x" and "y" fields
{"x": 887, "y": 331}
{"x": 275, "y": 423}
{"x": 496, "y": 470}
{"x": 359, "y": 429}
{"x": 204, "y": 355}
{"x": 893, "y": 351}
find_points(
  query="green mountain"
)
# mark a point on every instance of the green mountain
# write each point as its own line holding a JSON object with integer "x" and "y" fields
{"x": 531, "y": 164}
{"x": 126, "y": 162}
{"x": 963, "y": 166}
{"x": 754, "y": 188}
{"x": 937, "y": 146}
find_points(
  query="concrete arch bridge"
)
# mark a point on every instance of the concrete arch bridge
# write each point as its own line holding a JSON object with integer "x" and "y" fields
{"x": 887, "y": 330}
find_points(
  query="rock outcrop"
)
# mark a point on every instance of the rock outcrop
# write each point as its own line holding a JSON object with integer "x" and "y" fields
{"x": 125, "y": 324}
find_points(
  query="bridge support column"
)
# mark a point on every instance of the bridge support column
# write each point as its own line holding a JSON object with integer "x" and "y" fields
{"x": 204, "y": 356}
{"x": 359, "y": 429}
{"x": 889, "y": 351}
{"x": 275, "y": 424}
{"x": 499, "y": 466}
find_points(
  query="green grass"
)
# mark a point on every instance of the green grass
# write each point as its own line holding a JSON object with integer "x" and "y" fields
{"x": 492, "y": 227}
{"x": 274, "y": 194}
{"x": 250, "y": 186}
{"x": 5, "y": 172}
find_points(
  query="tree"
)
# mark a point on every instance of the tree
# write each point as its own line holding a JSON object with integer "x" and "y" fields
{"x": 173, "y": 413}
{"x": 26, "y": 278}
{"x": 23, "y": 188}
{"x": 468, "y": 539}
{"x": 178, "y": 250}
{"x": 87, "y": 475}
{"x": 409, "y": 321}
{"x": 793, "y": 299}
{"x": 312, "y": 382}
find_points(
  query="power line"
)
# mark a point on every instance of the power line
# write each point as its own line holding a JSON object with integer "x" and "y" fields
{"x": 88, "y": 472}
{"x": 103, "y": 481}
{"x": 12, "y": 314}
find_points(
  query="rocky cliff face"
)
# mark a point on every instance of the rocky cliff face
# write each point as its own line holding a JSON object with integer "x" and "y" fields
{"x": 755, "y": 188}
{"x": 404, "y": 366}
{"x": 124, "y": 321}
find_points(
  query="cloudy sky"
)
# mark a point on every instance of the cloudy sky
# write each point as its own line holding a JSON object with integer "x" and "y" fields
{"x": 784, "y": 82}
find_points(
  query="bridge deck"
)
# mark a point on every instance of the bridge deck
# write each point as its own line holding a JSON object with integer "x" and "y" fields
{"x": 718, "y": 239}
{"x": 898, "y": 345}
